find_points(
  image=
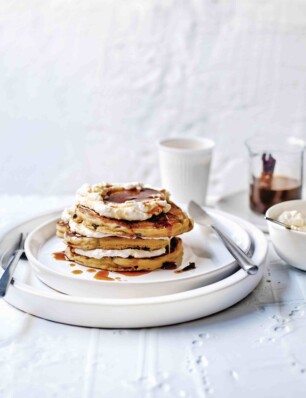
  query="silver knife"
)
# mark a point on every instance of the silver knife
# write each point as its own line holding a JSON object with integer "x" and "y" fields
{"x": 201, "y": 217}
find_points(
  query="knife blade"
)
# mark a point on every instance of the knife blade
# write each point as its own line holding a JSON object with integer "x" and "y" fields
{"x": 201, "y": 217}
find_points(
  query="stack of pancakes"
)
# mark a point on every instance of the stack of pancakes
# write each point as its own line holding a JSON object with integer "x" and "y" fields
{"x": 116, "y": 244}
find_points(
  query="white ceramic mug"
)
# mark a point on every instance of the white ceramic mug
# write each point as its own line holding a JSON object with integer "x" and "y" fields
{"x": 184, "y": 167}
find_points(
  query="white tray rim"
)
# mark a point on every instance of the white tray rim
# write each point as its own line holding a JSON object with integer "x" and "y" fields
{"x": 232, "y": 280}
{"x": 33, "y": 260}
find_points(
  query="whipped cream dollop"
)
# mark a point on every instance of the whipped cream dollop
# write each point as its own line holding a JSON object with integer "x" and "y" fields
{"x": 124, "y": 253}
{"x": 294, "y": 219}
{"x": 131, "y": 202}
{"x": 80, "y": 228}
{"x": 67, "y": 214}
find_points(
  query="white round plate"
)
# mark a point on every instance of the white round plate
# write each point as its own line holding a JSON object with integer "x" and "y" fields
{"x": 238, "y": 204}
{"x": 30, "y": 295}
{"x": 201, "y": 246}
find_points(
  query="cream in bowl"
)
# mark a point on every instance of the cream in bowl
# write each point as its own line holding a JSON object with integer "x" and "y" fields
{"x": 290, "y": 244}
{"x": 293, "y": 219}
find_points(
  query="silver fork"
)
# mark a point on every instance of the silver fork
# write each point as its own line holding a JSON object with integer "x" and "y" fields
{"x": 201, "y": 217}
{"x": 10, "y": 269}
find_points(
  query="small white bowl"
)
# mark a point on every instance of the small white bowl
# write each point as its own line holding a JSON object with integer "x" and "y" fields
{"x": 290, "y": 245}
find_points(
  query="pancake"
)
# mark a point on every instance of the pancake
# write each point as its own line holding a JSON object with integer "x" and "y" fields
{"x": 172, "y": 223}
{"x": 130, "y": 264}
{"x": 61, "y": 228}
{"x": 109, "y": 242}
{"x": 126, "y": 227}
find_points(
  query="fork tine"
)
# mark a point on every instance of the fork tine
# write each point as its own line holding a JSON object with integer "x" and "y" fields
{"x": 24, "y": 237}
{"x": 18, "y": 252}
{"x": 19, "y": 245}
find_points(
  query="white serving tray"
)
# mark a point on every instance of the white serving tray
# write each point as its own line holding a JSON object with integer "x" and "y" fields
{"x": 30, "y": 295}
{"x": 201, "y": 246}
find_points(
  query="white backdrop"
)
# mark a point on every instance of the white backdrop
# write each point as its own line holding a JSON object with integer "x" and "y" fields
{"x": 89, "y": 86}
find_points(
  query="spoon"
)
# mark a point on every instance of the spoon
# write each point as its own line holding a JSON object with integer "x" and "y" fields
{"x": 292, "y": 227}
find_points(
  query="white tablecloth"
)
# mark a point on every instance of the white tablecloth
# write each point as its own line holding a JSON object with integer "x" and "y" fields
{"x": 255, "y": 349}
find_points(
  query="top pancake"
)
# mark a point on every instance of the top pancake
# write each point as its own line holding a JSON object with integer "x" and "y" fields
{"x": 172, "y": 223}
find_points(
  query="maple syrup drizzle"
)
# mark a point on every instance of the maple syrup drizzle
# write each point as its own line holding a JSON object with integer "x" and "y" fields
{"x": 133, "y": 273}
{"x": 60, "y": 256}
{"x": 72, "y": 265}
{"x": 77, "y": 272}
{"x": 103, "y": 275}
{"x": 131, "y": 194}
{"x": 91, "y": 270}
